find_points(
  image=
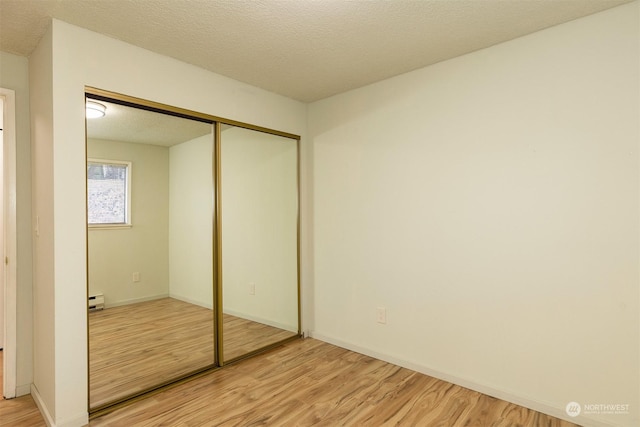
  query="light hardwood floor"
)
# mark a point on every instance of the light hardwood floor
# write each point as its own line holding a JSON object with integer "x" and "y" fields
{"x": 138, "y": 346}
{"x": 18, "y": 412}
{"x": 308, "y": 382}
{"x": 242, "y": 336}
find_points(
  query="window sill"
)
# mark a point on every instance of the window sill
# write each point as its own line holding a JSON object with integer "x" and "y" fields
{"x": 108, "y": 226}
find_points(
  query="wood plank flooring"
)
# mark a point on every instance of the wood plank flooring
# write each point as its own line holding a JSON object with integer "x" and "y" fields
{"x": 134, "y": 347}
{"x": 22, "y": 411}
{"x": 138, "y": 346}
{"x": 242, "y": 336}
{"x": 311, "y": 383}
{"x": 308, "y": 382}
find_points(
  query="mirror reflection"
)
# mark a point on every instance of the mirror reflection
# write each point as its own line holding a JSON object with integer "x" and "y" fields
{"x": 150, "y": 250}
{"x": 154, "y": 313}
{"x": 259, "y": 229}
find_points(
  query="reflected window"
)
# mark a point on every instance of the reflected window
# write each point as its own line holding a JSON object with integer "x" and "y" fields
{"x": 108, "y": 192}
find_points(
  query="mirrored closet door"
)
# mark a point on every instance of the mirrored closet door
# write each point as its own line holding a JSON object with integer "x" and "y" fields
{"x": 259, "y": 239}
{"x": 150, "y": 240}
{"x": 192, "y": 244}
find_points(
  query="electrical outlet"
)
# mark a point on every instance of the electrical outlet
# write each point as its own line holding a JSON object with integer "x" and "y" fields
{"x": 381, "y": 315}
{"x": 252, "y": 288}
{"x": 136, "y": 276}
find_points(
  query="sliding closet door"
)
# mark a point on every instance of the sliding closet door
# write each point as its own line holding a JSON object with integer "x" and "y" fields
{"x": 150, "y": 230}
{"x": 192, "y": 244}
{"x": 258, "y": 225}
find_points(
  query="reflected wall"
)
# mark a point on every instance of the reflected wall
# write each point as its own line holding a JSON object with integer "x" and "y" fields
{"x": 259, "y": 238}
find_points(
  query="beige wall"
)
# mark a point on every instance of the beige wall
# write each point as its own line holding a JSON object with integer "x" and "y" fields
{"x": 45, "y": 356}
{"x": 191, "y": 221}
{"x": 259, "y": 235}
{"x": 81, "y": 58}
{"x": 14, "y": 75}
{"x": 115, "y": 254}
{"x": 490, "y": 203}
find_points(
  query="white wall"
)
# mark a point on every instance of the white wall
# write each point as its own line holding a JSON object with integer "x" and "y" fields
{"x": 490, "y": 203}
{"x": 2, "y": 272}
{"x": 191, "y": 221}
{"x": 14, "y": 74}
{"x": 80, "y": 58}
{"x": 259, "y": 234}
{"x": 115, "y": 254}
{"x": 44, "y": 291}
{"x": 261, "y": 169}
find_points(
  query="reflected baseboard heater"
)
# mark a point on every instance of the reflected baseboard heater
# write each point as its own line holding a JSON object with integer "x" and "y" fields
{"x": 96, "y": 302}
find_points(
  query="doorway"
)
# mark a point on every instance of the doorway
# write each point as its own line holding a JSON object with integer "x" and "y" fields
{"x": 2, "y": 229}
{"x": 8, "y": 261}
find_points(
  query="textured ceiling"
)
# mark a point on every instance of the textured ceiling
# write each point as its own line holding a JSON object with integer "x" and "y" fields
{"x": 127, "y": 124}
{"x": 303, "y": 49}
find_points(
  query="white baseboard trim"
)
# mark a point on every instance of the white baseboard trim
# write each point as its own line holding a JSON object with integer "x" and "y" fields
{"x": 135, "y": 300}
{"x": 535, "y": 405}
{"x": 261, "y": 320}
{"x": 42, "y": 407}
{"x": 192, "y": 301}
{"x": 76, "y": 421}
{"x": 79, "y": 420}
{"x": 23, "y": 390}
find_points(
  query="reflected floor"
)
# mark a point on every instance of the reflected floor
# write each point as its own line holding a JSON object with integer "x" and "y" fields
{"x": 138, "y": 346}
{"x": 242, "y": 336}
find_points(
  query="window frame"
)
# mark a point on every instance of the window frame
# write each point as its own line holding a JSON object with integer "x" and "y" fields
{"x": 127, "y": 208}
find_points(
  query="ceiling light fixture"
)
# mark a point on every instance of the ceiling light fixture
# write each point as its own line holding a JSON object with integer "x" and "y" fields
{"x": 95, "y": 110}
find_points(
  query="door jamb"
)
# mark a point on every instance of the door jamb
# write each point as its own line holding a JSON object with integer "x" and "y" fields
{"x": 9, "y": 387}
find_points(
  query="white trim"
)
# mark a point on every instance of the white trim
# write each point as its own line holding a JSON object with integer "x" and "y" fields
{"x": 192, "y": 301}
{"x": 92, "y": 227}
{"x": 10, "y": 243}
{"x": 23, "y": 390}
{"x": 133, "y": 300}
{"x": 77, "y": 421}
{"x": 261, "y": 320}
{"x": 42, "y": 407}
{"x": 506, "y": 395}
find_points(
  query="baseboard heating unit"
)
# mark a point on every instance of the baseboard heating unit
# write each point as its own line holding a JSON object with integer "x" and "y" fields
{"x": 96, "y": 302}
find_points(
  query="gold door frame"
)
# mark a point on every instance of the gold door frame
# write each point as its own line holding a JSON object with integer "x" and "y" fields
{"x": 216, "y": 122}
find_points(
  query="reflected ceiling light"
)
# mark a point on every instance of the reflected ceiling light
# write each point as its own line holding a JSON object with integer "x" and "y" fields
{"x": 95, "y": 110}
